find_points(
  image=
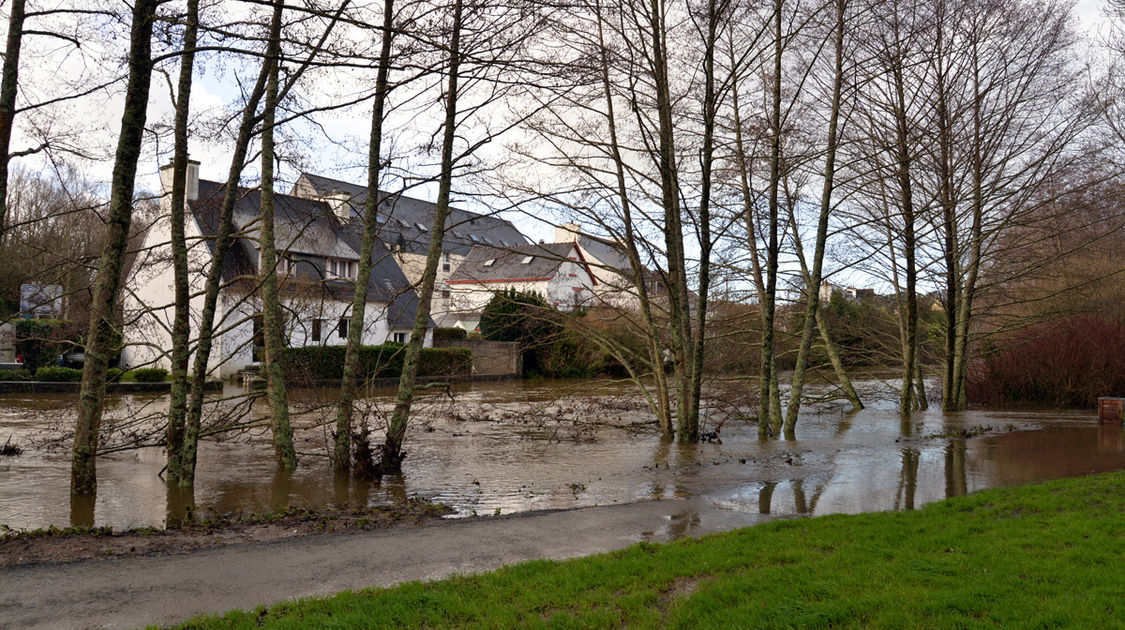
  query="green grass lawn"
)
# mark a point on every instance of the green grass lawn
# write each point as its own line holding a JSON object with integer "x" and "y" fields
{"x": 1048, "y": 555}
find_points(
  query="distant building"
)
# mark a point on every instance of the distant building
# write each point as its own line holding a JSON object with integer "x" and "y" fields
{"x": 318, "y": 261}
{"x": 558, "y": 272}
{"x": 609, "y": 264}
{"x": 828, "y": 289}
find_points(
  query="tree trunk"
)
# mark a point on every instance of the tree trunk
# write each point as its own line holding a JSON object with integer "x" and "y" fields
{"x": 812, "y": 286}
{"x": 181, "y": 325}
{"x": 392, "y": 453}
{"x": 223, "y": 240}
{"x": 341, "y": 456}
{"x": 272, "y": 317}
{"x": 101, "y": 339}
{"x": 769, "y": 388}
{"x": 9, "y": 88}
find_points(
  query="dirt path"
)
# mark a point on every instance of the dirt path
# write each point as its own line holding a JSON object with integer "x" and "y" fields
{"x": 131, "y": 592}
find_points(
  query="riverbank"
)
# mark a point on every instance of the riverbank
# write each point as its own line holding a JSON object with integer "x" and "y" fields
{"x": 1031, "y": 556}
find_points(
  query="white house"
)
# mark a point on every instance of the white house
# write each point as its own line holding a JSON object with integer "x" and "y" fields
{"x": 558, "y": 272}
{"x": 319, "y": 258}
{"x": 606, "y": 258}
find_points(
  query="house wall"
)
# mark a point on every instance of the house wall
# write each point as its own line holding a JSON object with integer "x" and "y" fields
{"x": 149, "y": 310}
{"x": 570, "y": 288}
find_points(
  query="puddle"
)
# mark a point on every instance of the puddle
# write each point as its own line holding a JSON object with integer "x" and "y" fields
{"x": 517, "y": 446}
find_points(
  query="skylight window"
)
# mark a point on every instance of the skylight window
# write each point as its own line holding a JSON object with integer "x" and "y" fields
{"x": 505, "y": 243}
{"x": 422, "y": 227}
{"x": 527, "y": 260}
{"x": 490, "y": 262}
{"x": 475, "y": 238}
{"x": 488, "y": 240}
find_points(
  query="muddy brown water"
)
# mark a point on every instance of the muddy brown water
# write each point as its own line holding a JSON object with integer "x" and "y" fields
{"x": 518, "y": 446}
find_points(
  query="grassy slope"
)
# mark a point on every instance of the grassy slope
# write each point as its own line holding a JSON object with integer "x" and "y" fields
{"x": 1049, "y": 555}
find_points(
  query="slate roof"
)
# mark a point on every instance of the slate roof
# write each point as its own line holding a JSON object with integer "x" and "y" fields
{"x": 409, "y": 220}
{"x": 308, "y": 232}
{"x": 507, "y": 264}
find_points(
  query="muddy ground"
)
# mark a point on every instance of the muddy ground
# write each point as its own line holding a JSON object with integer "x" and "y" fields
{"x": 54, "y": 545}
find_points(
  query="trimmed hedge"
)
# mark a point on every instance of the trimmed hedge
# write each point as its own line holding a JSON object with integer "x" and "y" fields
{"x": 58, "y": 374}
{"x": 16, "y": 375}
{"x": 150, "y": 375}
{"x": 451, "y": 332}
{"x": 327, "y": 362}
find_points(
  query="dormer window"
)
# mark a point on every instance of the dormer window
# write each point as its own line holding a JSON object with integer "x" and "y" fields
{"x": 337, "y": 268}
{"x": 284, "y": 265}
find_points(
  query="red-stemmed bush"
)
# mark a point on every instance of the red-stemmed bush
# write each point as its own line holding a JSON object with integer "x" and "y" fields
{"x": 1066, "y": 363}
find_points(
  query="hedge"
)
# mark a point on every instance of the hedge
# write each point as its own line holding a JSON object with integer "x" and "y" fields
{"x": 16, "y": 375}
{"x": 450, "y": 332}
{"x": 327, "y": 362}
{"x": 58, "y": 374}
{"x": 150, "y": 375}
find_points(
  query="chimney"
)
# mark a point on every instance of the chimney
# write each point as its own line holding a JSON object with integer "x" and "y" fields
{"x": 192, "y": 192}
{"x": 340, "y": 204}
{"x": 567, "y": 233}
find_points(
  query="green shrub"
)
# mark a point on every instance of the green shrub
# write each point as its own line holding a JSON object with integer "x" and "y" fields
{"x": 15, "y": 375}
{"x": 113, "y": 375}
{"x": 58, "y": 374}
{"x": 150, "y": 375}
{"x": 40, "y": 341}
{"x": 449, "y": 333}
{"x": 327, "y": 362}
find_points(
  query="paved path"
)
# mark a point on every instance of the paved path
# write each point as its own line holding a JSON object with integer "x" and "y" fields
{"x": 133, "y": 592}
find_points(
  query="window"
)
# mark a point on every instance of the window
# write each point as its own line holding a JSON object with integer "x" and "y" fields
{"x": 342, "y": 328}
{"x": 490, "y": 262}
{"x": 422, "y": 227}
{"x": 527, "y": 260}
{"x": 488, "y": 240}
{"x": 401, "y": 337}
{"x": 337, "y": 268}
{"x": 284, "y": 266}
{"x": 474, "y": 238}
{"x": 315, "y": 330}
{"x": 445, "y": 262}
{"x": 445, "y": 294}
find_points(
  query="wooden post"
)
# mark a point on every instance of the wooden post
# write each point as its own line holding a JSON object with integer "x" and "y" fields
{"x": 1111, "y": 409}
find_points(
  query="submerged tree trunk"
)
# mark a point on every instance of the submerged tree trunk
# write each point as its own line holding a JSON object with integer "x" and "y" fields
{"x": 181, "y": 327}
{"x": 812, "y": 286}
{"x": 272, "y": 318}
{"x": 392, "y": 453}
{"x": 341, "y": 456}
{"x": 101, "y": 339}
{"x": 769, "y": 388}
{"x": 9, "y": 88}
{"x": 223, "y": 239}
{"x": 656, "y": 360}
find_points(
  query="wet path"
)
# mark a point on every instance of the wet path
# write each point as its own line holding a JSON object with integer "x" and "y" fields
{"x": 134, "y": 592}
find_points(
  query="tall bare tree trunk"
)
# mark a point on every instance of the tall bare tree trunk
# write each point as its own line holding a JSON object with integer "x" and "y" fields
{"x": 181, "y": 325}
{"x": 223, "y": 240}
{"x": 392, "y": 453}
{"x": 272, "y": 317}
{"x": 342, "y": 453}
{"x": 640, "y": 280}
{"x": 812, "y": 287}
{"x": 9, "y": 88}
{"x": 100, "y": 339}
{"x": 768, "y": 388}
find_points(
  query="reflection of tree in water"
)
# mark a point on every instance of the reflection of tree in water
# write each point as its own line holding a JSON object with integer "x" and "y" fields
{"x": 765, "y": 497}
{"x": 955, "y": 483}
{"x": 908, "y": 481}
{"x": 181, "y": 508}
{"x": 280, "y": 487}
{"x": 82, "y": 509}
{"x": 683, "y": 524}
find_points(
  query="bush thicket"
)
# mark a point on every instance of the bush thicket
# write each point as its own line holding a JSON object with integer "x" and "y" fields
{"x": 1068, "y": 363}
{"x": 451, "y": 332}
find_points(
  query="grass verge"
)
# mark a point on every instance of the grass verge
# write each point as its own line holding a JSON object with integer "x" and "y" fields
{"x": 1047, "y": 555}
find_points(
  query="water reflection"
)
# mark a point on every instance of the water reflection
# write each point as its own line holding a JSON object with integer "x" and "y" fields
{"x": 508, "y": 449}
{"x": 82, "y": 509}
{"x": 181, "y": 506}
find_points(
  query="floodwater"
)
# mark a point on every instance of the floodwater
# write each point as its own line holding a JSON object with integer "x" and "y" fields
{"x": 507, "y": 447}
